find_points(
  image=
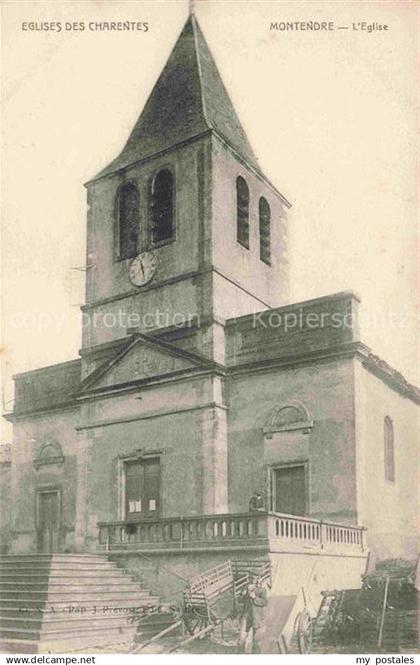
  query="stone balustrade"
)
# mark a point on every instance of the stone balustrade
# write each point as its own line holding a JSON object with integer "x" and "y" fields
{"x": 265, "y": 531}
{"x": 287, "y": 532}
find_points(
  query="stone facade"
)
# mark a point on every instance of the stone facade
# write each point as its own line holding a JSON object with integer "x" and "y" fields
{"x": 5, "y": 505}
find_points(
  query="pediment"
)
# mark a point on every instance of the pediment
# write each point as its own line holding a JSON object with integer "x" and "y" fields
{"x": 143, "y": 359}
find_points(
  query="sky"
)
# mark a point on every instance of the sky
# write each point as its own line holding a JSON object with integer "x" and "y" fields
{"x": 331, "y": 115}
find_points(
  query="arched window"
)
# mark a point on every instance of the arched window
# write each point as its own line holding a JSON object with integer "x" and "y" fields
{"x": 265, "y": 223}
{"x": 162, "y": 206}
{"x": 242, "y": 212}
{"x": 389, "y": 456}
{"x": 128, "y": 221}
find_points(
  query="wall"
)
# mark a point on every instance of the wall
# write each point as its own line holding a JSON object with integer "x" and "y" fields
{"x": 389, "y": 510}
{"x": 177, "y": 260}
{"x": 47, "y": 387}
{"x": 183, "y": 421}
{"x": 5, "y": 499}
{"x": 320, "y": 325}
{"x": 167, "y": 574}
{"x": 30, "y": 436}
{"x": 205, "y": 181}
{"x": 268, "y": 285}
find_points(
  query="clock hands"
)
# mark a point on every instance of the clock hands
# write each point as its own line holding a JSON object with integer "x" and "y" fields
{"x": 142, "y": 268}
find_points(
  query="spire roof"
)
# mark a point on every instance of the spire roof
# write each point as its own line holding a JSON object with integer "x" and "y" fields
{"x": 188, "y": 98}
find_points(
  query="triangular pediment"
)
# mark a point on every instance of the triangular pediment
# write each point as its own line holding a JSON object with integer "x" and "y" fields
{"x": 143, "y": 359}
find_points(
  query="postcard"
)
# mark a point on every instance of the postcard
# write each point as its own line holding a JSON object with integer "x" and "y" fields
{"x": 210, "y": 434}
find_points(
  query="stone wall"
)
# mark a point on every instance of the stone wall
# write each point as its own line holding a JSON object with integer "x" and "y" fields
{"x": 320, "y": 325}
{"x": 5, "y": 499}
{"x": 174, "y": 288}
{"x": 324, "y": 439}
{"x": 180, "y": 421}
{"x": 389, "y": 510}
{"x": 254, "y": 285}
{"x": 167, "y": 574}
{"x": 44, "y": 456}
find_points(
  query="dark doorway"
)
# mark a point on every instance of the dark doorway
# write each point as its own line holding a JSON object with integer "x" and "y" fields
{"x": 49, "y": 521}
{"x": 142, "y": 488}
{"x": 290, "y": 490}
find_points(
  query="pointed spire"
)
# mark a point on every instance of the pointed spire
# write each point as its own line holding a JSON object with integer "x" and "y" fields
{"x": 188, "y": 98}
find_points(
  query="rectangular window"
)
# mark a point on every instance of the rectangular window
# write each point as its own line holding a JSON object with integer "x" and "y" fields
{"x": 142, "y": 488}
{"x": 289, "y": 490}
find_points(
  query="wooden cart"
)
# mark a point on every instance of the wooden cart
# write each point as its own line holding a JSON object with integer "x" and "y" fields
{"x": 211, "y": 598}
{"x": 382, "y": 616}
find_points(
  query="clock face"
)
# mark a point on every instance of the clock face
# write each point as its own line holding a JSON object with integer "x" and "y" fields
{"x": 142, "y": 268}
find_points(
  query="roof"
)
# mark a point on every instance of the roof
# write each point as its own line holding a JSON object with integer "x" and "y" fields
{"x": 189, "y": 98}
{"x": 46, "y": 388}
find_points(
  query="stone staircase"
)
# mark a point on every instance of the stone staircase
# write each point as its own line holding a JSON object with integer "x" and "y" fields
{"x": 64, "y": 602}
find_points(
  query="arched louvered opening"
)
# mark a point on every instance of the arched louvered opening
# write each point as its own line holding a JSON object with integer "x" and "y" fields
{"x": 162, "y": 206}
{"x": 265, "y": 230}
{"x": 242, "y": 212}
{"x": 128, "y": 205}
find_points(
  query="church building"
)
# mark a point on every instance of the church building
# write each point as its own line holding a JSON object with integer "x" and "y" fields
{"x": 198, "y": 382}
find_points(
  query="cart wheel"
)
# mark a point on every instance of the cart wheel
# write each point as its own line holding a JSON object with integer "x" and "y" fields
{"x": 194, "y": 621}
{"x": 304, "y": 629}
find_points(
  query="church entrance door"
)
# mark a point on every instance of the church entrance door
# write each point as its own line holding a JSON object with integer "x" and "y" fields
{"x": 290, "y": 490}
{"x": 48, "y": 521}
{"x": 142, "y": 488}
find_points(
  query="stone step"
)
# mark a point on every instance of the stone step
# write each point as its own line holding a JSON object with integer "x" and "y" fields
{"x": 21, "y": 597}
{"x": 50, "y": 602}
{"x": 74, "y": 645}
{"x": 19, "y": 646}
{"x": 53, "y": 560}
{"x": 49, "y": 560}
{"x": 65, "y": 576}
{"x": 43, "y": 566}
{"x": 53, "y": 555}
{"x": 75, "y": 637}
{"x": 74, "y": 613}
{"x": 128, "y": 600}
{"x": 55, "y": 567}
{"x": 64, "y": 619}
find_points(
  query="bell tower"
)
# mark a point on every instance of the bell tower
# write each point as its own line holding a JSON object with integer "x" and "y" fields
{"x": 184, "y": 231}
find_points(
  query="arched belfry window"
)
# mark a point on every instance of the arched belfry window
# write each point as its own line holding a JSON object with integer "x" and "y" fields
{"x": 265, "y": 230}
{"x": 242, "y": 212}
{"x": 162, "y": 206}
{"x": 389, "y": 454}
{"x": 128, "y": 221}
